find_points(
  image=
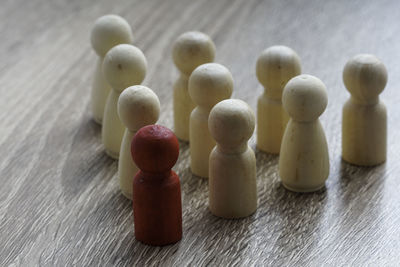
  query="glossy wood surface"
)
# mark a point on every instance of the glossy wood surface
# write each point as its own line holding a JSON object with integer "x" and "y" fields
{"x": 60, "y": 203}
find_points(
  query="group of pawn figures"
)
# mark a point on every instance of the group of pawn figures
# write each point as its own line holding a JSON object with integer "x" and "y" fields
{"x": 218, "y": 128}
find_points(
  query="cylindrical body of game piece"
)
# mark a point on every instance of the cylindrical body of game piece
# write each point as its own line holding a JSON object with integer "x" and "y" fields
{"x": 364, "y": 133}
{"x": 124, "y": 66}
{"x": 113, "y": 129}
{"x": 209, "y": 84}
{"x": 364, "y": 121}
{"x": 232, "y": 181}
{"x": 270, "y": 131}
{"x": 275, "y": 67}
{"x": 304, "y": 166}
{"x": 182, "y": 107}
{"x": 99, "y": 93}
{"x": 190, "y": 50}
{"x": 304, "y": 157}
{"x": 108, "y": 31}
{"x": 157, "y": 209}
{"x": 127, "y": 169}
{"x": 202, "y": 143}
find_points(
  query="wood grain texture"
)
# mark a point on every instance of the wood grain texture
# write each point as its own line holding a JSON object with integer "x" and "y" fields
{"x": 60, "y": 204}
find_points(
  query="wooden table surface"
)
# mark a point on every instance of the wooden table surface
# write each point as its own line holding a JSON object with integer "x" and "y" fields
{"x": 60, "y": 204}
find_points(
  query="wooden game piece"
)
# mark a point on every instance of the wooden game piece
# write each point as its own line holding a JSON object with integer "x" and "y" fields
{"x": 304, "y": 158}
{"x": 138, "y": 106}
{"x": 364, "y": 125}
{"x": 124, "y": 65}
{"x": 209, "y": 84}
{"x": 232, "y": 184}
{"x": 157, "y": 209}
{"x": 108, "y": 31}
{"x": 190, "y": 50}
{"x": 275, "y": 67}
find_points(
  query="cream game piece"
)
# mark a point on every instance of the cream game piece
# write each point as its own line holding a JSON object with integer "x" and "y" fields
{"x": 364, "y": 126}
{"x": 123, "y": 66}
{"x": 232, "y": 184}
{"x": 190, "y": 50}
{"x": 304, "y": 158}
{"x": 209, "y": 84}
{"x": 108, "y": 31}
{"x": 138, "y": 106}
{"x": 275, "y": 67}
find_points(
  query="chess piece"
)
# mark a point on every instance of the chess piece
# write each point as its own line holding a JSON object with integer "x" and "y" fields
{"x": 138, "y": 106}
{"x": 275, "y": 67}
{"x": 304, "y": 159}
{"x": 124, "y": 65}
{"x": 209, "y": 84}
{"x": 190, "y": 50}
{"x": 157, "y": 209}
{"x": 108, "y": 31}
{"x": 364, "y": 126}
{"x": 232, "y": 184}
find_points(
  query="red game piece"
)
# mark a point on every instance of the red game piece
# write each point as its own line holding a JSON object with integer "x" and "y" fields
{"x": 157, "y": 208}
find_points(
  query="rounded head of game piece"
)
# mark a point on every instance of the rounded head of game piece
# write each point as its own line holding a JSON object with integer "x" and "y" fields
{"x": 109, "y": 31}
{"x": 138, "y": 106}
{"x": 209, "y": 84}
{"x": 304, "y": 98}
{"x": 365, "y": 77}
{"x": 155, "y": 148}
{"x": 192, "y": 49}
{"x": 276, "y": 66}
{"x": 124, "y": 65}
{"x": 231, "y": 123}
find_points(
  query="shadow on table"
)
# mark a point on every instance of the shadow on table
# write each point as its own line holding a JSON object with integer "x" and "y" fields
{"x": 361, "y": 179}
{"x": 216, "y": 239}
{"x": 360, "y": 195}
{"x": 291, "y": 219}
{"x": 85, "y": 159}
{"x": 294, "y": 221}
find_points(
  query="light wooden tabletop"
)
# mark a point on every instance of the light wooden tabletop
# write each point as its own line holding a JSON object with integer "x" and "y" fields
{"x": 60, "y": 204}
